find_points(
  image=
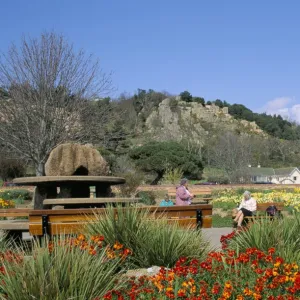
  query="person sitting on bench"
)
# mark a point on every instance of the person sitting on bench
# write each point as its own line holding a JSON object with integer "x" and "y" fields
{"x": 247, "y": 208}
{"x": 167, "y": 201}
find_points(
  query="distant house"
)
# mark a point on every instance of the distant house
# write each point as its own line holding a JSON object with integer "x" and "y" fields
{"x": 258, "y": 174}
{"x": 279, "y": 176}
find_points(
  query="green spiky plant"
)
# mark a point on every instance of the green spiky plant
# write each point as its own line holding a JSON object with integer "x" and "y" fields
{"x": 61, "y": 274}
{"x": 152, "y": 241}
{"x": 282, "y": 234}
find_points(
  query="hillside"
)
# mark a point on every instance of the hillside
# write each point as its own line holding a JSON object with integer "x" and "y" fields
{"x": 154, "y": 112}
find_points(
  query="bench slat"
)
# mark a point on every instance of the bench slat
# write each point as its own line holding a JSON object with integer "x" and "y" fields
{"x": 15, "y": 212}
{"x": 77, "y": 227}
{"x": 63, "y": 201}
{"x": 264, "y": 206}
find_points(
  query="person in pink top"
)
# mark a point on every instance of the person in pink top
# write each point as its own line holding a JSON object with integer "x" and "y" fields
{"x": 183, "y": 196}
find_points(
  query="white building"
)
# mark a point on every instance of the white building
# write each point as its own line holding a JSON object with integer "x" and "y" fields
{"x": 286, "y": 176}
{"x": 279, "y": 176}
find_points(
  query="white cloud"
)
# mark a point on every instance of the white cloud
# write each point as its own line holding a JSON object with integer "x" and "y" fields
{"x": 295, "y": 111}
{"x": 283, "y": 106}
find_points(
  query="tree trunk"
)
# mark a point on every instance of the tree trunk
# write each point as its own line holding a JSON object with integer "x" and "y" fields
{"x": 40, "y": 169}
{"x": 157, "y": 179}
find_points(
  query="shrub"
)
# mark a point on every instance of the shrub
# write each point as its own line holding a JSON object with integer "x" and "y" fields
{"x": 186, "y": 96}
{"x": 58, "y": 271}
{"x": 147, "y": 197}
{"x": 167, "y": 155}
{"x": 172, "y": 176}
{"x": 152, "y": 242}
{"x": 283, "y": 234}
{"x": 199, "y": 100}
{"x": 133, "y": 181}
{"x": 18, "y": 195}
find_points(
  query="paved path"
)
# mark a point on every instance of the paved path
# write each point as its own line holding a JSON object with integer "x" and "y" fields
{"x": 213, "y": 235}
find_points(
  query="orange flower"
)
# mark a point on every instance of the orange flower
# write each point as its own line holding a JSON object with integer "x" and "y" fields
{"x": 181, "y": 293}
{"x": 247, "y": 292}
{"x": 81, "y": 237}
{"x": 117, "y": 246}
{"x": 228, "y": 285}
{"x": 271, "y": 250}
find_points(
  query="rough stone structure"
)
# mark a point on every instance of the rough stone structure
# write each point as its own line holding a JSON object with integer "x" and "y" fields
{"x": 75, "y": 159}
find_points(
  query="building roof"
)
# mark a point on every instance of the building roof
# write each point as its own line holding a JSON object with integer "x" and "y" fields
{"x": 284, "y": 171}
{"x": 261, "y": 171}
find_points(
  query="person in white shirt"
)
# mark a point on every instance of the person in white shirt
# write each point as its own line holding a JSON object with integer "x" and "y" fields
{"x": 247, "y": 208}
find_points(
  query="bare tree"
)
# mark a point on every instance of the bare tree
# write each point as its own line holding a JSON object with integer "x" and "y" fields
{"x": 232, "y": 154}
{"x": 49, "y": 85}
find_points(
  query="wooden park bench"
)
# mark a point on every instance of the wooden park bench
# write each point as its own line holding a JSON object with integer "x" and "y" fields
{"x": 16, "y": 221}
{"x": 201, "y": 194}
{"x": 261, "y": 212}
{"x": 72, "y": 221}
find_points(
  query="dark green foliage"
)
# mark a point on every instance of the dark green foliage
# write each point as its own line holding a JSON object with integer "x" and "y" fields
{"x": 219, "y": 103}
{"x": 274, "y": 125}
{"x": 3, "y": 93}
{"x": 186, "y": 96}
{"x": 208, "y": 103}
{"x": 159, "y": 156}
{"x": 147, "y": 197}
{"x": 146, "y": 100}
{"x": 199, "y": 100}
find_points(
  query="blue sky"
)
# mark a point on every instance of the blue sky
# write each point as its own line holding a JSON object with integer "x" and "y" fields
{"x": 239, "y": 51}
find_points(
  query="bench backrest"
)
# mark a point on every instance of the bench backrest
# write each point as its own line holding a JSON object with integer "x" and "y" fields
{"x": 264, "y": 206}
{"x": 69, "y": 221}
{"x": 200, "y": 194}
{"x": 14, "y": 212}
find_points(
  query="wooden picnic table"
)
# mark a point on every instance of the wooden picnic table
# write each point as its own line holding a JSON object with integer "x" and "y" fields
{"x": 63, "y": 187}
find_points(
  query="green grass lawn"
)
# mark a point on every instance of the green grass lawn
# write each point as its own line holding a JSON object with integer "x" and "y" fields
{"x": 218, "y": 221}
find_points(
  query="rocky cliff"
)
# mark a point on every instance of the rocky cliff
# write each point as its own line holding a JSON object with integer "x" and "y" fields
{"x": 175, "y": 119}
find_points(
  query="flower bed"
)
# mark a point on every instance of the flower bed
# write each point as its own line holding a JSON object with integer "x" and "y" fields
{"x": 252, "y": 274}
